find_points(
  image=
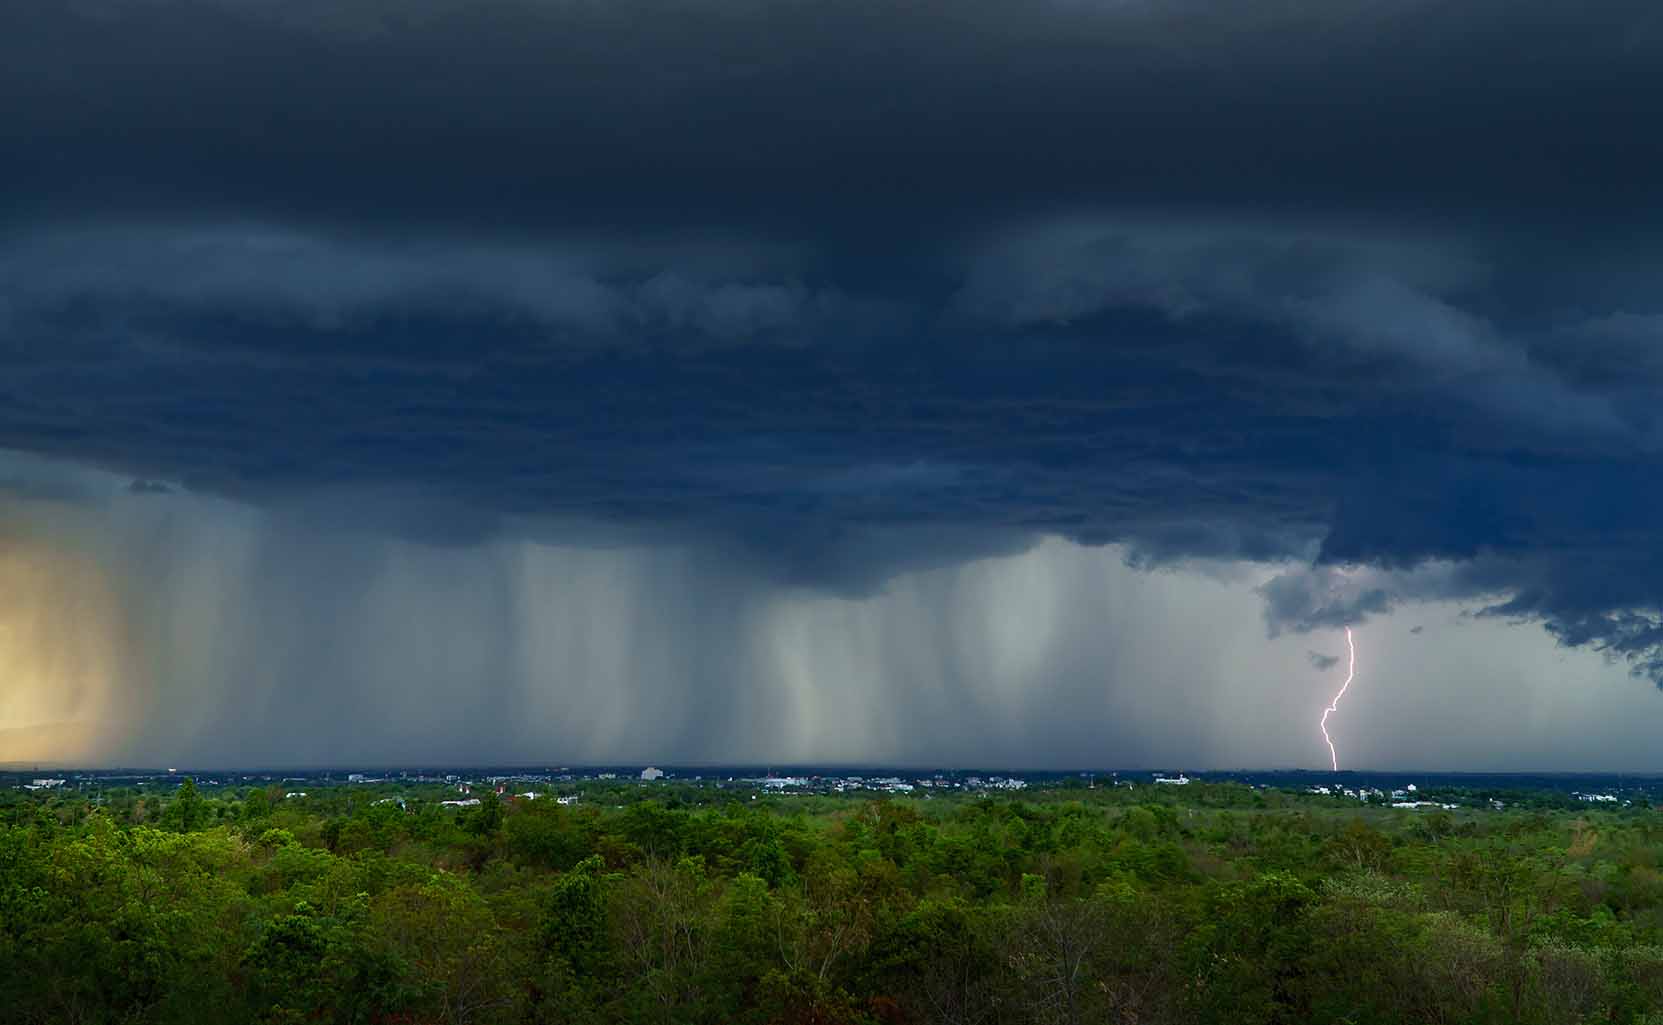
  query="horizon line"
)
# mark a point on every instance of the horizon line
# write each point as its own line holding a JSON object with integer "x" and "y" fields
{"x": 19, "y": 767}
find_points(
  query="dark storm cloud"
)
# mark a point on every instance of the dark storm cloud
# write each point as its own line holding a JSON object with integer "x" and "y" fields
{"x": 523, "y": 114}
{"x": 848, "y": 289}
{"x": 1320, "y": 599}
{"x": 1321, "y": 662}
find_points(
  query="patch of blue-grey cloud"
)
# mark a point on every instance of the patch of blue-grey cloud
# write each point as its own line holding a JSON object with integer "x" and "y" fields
{"x": 1322, "y": 663}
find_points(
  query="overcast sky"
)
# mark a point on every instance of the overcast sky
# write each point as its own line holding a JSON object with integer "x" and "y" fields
{"x": 959, "y": 383}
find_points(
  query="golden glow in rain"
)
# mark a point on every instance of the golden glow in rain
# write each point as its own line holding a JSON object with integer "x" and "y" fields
{"x": 58, "y": 655}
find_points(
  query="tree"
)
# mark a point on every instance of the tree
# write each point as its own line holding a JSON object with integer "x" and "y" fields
{"x": 663, "y": 921}
{"x": 487, "y": 818}
{"x": 1247, "y": 953}
{"x": 1360, "y": 847}
{"x": 256, "y": 804}
{"x": 1053, "y": 942}
{"x": 456, "y": 951}
{"x": 822, "y": 922}
{"x": 189, "y": 811}
{"x": 938, "y": 963}
{"x": 309, "y": 966}
{"x": 575, "y": 955}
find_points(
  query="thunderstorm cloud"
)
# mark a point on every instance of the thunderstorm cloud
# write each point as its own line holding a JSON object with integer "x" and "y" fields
{"x": 731, "y": 380}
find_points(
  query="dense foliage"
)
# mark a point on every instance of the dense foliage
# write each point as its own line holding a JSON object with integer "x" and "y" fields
{"x": 662, "y": 904}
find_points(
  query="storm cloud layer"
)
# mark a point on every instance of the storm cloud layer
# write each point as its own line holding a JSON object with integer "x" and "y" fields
{"x": 835, "y": 301}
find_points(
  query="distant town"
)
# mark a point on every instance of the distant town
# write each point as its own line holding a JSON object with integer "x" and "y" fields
{"x": 462, "y": 788}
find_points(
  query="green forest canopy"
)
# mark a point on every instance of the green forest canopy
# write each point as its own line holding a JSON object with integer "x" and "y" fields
{"x": 1209, "y": 903}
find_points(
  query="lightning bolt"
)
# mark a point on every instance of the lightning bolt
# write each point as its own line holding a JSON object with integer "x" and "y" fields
{"x": 1334, "y": 706}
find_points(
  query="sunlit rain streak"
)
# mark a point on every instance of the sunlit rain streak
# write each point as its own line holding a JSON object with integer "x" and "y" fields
{"x": 1333, "y": 706}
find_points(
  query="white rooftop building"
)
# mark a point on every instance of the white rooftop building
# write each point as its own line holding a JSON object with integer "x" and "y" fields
{"x": 649, "y": 774}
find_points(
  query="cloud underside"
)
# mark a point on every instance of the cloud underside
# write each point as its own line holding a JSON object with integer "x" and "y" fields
{"x": 1321, "y": 662}
{"x": 1122, "y": 273}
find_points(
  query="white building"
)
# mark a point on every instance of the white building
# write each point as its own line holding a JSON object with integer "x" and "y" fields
{"x": 649, "y": 774}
